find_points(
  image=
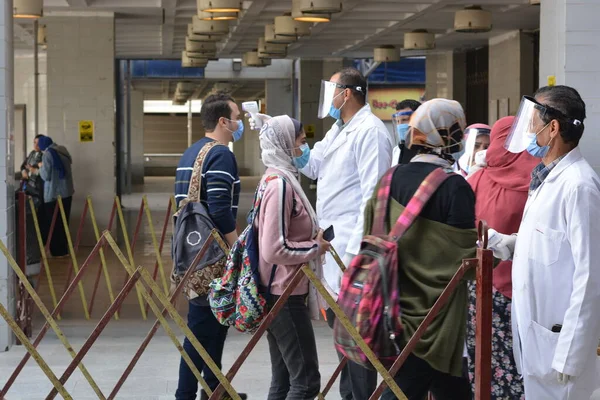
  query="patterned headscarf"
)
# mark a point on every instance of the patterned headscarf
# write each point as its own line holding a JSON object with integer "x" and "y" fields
{"x": 438, "y": 126}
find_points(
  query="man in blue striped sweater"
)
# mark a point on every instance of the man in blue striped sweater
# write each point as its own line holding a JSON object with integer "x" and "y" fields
{"x": 219, "y": 192}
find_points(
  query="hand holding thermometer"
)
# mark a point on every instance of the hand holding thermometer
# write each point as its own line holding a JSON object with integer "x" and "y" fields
{"x": 251, "y": 107}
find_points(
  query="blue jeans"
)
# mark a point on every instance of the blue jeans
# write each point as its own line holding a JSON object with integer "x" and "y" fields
{"x": 211, "y": 334}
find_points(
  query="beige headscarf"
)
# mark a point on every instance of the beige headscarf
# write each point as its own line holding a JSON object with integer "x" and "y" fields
{"x": 277, "y": 143}
{"x": 438, "y": 124}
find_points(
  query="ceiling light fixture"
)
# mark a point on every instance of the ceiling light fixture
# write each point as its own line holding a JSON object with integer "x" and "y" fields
{"x": 473, "y": 20}
{"x": 251, "y": 59}
{"x": 419, "y": 39}
{"x": 271, "y": 37}
{"x": 201, "y": 38}
{"x": 321, "y": 6}
{"x": 301, "y": 16}
{"x": 218, "y": 6}
{"x": 386, "y": 54}
{"x": 207, "y": 16}
{"x": 187, "y": 61}
{"x": 271, "y": 50}
{"x": 200, "y": 47}
{"x": 285, "y": 25}
{"x": 200, "y": 27}
{"x": 28, "y": 8}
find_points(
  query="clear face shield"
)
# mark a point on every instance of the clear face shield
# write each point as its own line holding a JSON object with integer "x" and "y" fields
{"x": 328, "y": 93}
{"x": 478, "y": 139}
{"x": 400, "y": 121}
{"x": 526, "y": 124}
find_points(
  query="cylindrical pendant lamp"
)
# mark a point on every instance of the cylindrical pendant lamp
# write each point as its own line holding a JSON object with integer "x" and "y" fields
{"x": 299, "y": 15}
{"x": 200, "y": 47}
{"x": 271, "y": 37}
{"x": 285, "y": 25}
{"x": 386, "y": 54}
{"x": 218, "y": 6}
{"x": 201, "y": 38}
{"x": 28, "y": 8}
{"x": 200, "y": 27}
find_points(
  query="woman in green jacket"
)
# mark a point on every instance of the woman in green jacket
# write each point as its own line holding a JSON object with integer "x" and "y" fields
{"x": 431, "y": 252}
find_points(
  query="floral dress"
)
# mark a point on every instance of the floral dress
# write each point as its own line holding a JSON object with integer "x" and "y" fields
{"x": 507, "y": 383}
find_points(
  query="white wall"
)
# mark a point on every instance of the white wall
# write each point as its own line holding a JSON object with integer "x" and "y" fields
{"x": 7, "y": 188}
{"x": 81, "y": 86}
{"x": 570, "y": 50}
{"x": 25, "y": 92}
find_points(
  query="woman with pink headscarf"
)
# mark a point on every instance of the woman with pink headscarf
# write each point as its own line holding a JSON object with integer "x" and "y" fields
{"x": 501, "y": 192}
{"x": 477, "y": 140}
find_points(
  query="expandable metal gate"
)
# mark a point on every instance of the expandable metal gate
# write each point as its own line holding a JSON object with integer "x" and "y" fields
{"x": 146, "y": 287}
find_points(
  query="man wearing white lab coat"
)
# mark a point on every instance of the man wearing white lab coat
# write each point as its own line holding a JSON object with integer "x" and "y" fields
{"x": 556, "y": 263}
{"x": 347, "y": 165}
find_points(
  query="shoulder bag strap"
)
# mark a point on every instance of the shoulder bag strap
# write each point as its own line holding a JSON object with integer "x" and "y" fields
{"x": 260, "y": 191}
{"x": 196, "y": 179}
{"x": 382, "y": 202}
{"x": 427, "y": 188}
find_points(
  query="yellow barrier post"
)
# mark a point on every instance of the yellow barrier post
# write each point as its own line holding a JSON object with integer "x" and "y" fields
{"x": 147, "y": 278}
{"x": 129, "y": 252}
{"x": 34, "y": 353}
{"x": 73, "y": 255}
{"x": 155, "y": 245}
{"x": 389, "y": 380}
{"x": 48, "y": 316}
{"x": 38, "y": 233}
{"x": 111, "y": 294}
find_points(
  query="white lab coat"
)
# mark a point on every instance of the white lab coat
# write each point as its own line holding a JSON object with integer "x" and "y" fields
{"x": 556, "y": 280}
{"x": 347, "y": 165}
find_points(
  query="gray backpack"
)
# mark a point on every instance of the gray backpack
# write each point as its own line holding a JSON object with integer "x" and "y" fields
{"x": 191, "y": 227}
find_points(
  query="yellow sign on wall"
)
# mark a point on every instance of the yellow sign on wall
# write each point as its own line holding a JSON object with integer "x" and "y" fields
{"x": 383, "y": 101}
{"x": 86, "y": 131}
{"x": 310, "y": 130}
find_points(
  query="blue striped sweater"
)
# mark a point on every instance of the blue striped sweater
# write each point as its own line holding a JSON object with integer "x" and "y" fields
{"x": 220, "y": 191}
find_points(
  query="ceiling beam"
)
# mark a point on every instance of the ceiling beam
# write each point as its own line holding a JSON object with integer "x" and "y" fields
{"x": 245, "y": 21}
{"x": 394, "y": 27}
{"x": 167, "y": 31}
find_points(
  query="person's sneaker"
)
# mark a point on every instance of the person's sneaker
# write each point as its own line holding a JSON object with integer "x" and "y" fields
{"x": 226, "y": 396}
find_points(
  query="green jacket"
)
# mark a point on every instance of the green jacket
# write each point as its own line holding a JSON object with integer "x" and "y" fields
{"x": 429, "y": 254}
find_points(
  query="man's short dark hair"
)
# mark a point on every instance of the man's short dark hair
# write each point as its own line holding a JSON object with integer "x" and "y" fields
{"x": 38, "y": 136}
{"x": 356, "y": 81}
{"x": 214, "y": 107}
{"x": 567, "y": 106}
{"x": 408, "y": 103}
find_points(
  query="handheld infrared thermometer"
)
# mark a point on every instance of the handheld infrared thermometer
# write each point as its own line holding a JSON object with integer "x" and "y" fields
{"x": 251, "y": 107}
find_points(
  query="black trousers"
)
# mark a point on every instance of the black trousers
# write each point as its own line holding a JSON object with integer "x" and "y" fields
{"x": 58, "y": 244}
{"x": 417, "y": 378}
{"x": 293, "y": 350}
{"x": 356, "y": 382}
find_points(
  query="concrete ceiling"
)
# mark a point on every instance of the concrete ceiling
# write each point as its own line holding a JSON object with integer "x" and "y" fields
{"x": 157, "y": 28}
{"x": 242, "y": 90}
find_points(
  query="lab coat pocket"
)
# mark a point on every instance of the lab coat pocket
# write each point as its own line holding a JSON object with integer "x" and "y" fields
{"x": 538, "y": 352}
{"x": 545, "y": 245}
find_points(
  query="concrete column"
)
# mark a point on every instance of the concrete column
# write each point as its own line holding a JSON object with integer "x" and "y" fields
{"x": 570, "y": 51}
{"x": 446, "y": 76}
{"x": 137, "y": 137}
{"x": 511, "y": 73}
{"x": 25, "y": 94}
{"x": 81, "y": 86}
{"x": 279, "y": 99}
{"x": 7, "y": 188}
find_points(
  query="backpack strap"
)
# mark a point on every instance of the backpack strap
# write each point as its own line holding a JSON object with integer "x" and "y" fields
{"x": 258, "y": 195}
{"x": 382, "y": 202}
{"x": 427, "y": 188}
{"x": 195, "y": 186}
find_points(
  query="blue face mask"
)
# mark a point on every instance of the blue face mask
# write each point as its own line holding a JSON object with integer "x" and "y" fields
{"x": 402, "y": 130}
{"x": 336, "y": 113}
{"x": 534, "y": 148}
{"x": 239, "y": 132}
{"x": 300, "y": 162}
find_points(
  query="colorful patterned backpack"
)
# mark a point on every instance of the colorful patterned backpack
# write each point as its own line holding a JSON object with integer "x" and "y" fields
{"x": 235, "y": 298}
{"x": 369, "y": 293}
